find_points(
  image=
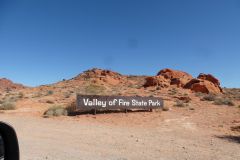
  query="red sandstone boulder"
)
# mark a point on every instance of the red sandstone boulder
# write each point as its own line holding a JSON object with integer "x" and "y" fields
{"x": 204, "y": 86}
{"x": 210, "y": 78}
{"x": 178, "y": 78}
{"x": 156, "y": 81}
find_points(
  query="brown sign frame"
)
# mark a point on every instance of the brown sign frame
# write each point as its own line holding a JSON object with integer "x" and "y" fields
{"x": 134, "y": 103}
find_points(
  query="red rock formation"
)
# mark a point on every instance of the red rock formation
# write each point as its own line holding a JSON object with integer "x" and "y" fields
{"x": 100, "y": 75}
{"x": 97, "y": 73}
{"x": 170, "y": 73}
{"x": 156, "y": 81}
{"x": 209, "y": 77}
{"x": 204, "y": 86}
{"x": 7, "y": 85}
{"x": 205, "y": 83}
{"x": 178, "y": 78}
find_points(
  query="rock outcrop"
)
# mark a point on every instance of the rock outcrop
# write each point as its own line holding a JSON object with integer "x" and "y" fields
{"x": 96, "y": 73}
{"x": 209, "y": 77}
{"x": 8, "y": 85}
{"x": 167, "y": 77}
{"x": 205, "y": 83}
{"x": 175, "y": 77}
{"x": 157, "y": 81}
{"x": 101, "y": 75}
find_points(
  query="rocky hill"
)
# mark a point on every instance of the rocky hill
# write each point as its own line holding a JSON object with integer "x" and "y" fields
{"x": 106, "y": 82}
{"x": 171, "y": 85}
{"x": 8, "y": 85}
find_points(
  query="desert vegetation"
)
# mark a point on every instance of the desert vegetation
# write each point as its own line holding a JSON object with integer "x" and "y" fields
{"x": 94, "y": 89}
{"x": 209, "y": 97}
{"x": 232, "y": 93}
{"x": 180, "y": 103}
{"x": 56, "y": 110}
{"x": 224, "y": 101}
{"x": 7, "y": 105}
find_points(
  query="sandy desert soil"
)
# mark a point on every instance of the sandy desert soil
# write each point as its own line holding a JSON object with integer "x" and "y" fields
{"x": 179, "y": 134}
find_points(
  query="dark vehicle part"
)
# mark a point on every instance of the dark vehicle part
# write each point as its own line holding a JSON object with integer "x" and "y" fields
{"x": 9, "y": 149}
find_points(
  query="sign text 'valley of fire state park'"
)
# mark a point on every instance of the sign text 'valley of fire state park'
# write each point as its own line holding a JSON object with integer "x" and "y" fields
{"x": 89, "y": 102}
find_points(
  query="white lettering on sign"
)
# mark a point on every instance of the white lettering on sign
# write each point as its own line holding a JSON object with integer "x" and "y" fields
{"x": 94, "y": 102}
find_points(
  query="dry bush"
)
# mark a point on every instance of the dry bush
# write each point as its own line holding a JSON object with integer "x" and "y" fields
{"x": 180, "y": 103}
{"x": 67, "y": 95}
{"x": 224, "y": 101}
{"x": 233, "y": 93}
{"x": 21, "y": 95}
{"x": 199, "y": 94}
{"x": 37, "y": 95}
{"x": 50, "y": 102}
{"x": 209, "y": 97}
{"x": 71, "y": 107}
{"x": 50, "y": 92}
{"x": 158, "y": 88}
{"x": 165, "y": 108}
{"x": 94, "y": 89}
{"x": 11, "y": 98}
{"x": 7, "y": 105}
{"x": 172, "y": 91}
{"x": 56, "y": 111}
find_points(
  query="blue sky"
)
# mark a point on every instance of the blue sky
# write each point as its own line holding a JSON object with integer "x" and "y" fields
{"x": 44, "y": 41}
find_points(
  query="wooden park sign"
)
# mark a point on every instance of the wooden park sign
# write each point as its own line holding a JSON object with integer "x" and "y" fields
{"x": 97, "y": 102}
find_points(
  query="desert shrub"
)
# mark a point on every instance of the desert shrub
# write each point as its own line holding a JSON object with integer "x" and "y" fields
{"x": 209, "y": 97}
{"x": 199, "y": 94}
{"x": 67, "y": 95}
{"x": 191, "y": 108}
{"x": 37, "y": 95}
{"x": 224, "y": 101}
{"x": 10, "y": 99}
{"x": 13, "y": 98}
{"x": 172, "y": 91}
{"x": 133, "y": 86}
{"x": 71, "y": 107}
{"x": 50, "y": 102}
{"x": 56, "y": 111}
{"x": 7, "y": 106}
{"x": 165, "y": 108}
{"x": 232, "y": 93}
{"x": 94, "y": 89}
{"x": 20, "y": 95}
{"x": 158, "y": 88}
{"x": 180, "y": 103}
{"x": 49, "y": 92}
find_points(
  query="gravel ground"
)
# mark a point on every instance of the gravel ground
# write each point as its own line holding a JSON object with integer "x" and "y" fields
{"x": 87, "y": 138}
